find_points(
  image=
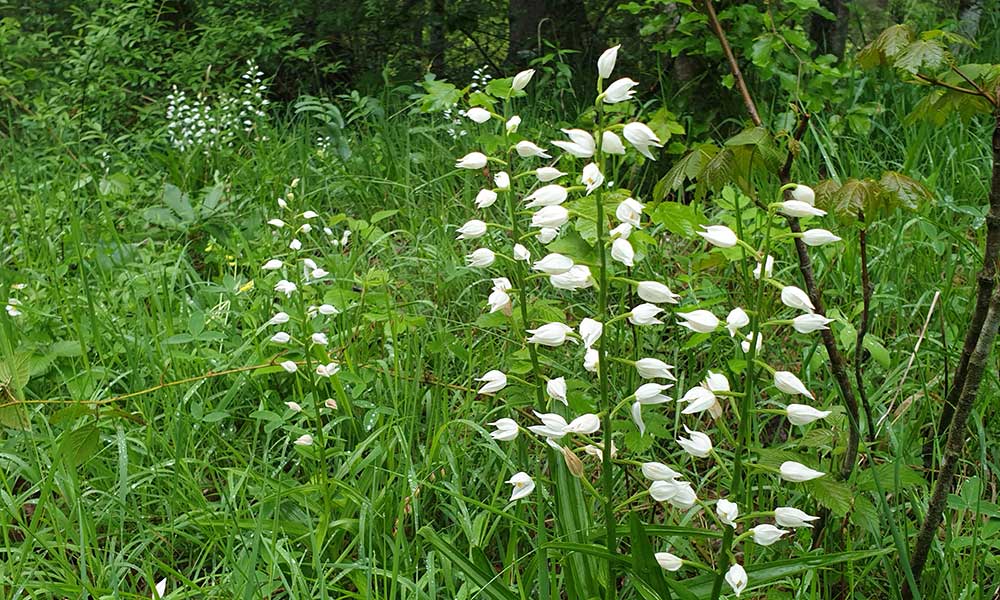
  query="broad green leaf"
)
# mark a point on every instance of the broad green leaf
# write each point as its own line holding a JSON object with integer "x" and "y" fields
{"x": 907, "y": 191}
{"x": 680, "y": 219}
{"x": 178, "y": 202}
{"x": 921, "y": 55}
{"x": 884, "y": 49}
{"x": 77, "y": 445}
{"x": 831, "y": 493}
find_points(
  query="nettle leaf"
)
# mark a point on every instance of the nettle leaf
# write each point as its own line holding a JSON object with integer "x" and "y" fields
{"x": 831, "y": 493}
{"x": 439, "y": 95}
{"x": 921, "y": 55}
{"x": 688, "y": 168}
{"x": 884, "y": 49}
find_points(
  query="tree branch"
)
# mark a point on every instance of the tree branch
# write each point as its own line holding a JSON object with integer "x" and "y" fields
{"x": 734, "y": 67}
{"x": 859, "y": 346}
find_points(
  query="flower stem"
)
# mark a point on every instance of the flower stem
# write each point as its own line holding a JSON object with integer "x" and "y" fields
{"x": 607, "y": 475}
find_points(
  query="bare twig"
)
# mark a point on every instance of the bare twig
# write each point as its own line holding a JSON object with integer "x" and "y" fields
{"x": 909, "y": 363}
{"x": 859, "y": 349}
{"x": 734, "y": 67}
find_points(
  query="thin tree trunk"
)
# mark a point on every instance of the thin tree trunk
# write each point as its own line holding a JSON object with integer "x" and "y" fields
{"x": 986, "y": 282}
{"x": 956, "y": 441}
{"x": 438, "y": 36}
{"x": 523, "y": 17}
{"x": 829, "y": 36}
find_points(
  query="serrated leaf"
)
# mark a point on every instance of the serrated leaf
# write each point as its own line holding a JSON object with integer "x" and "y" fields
{"x": 887, "y": 46}
{"x": 831, "y": 493}
{"x": 752, "y": 136}
{"x": 688, "y": 168}
{"x": 907, "y": 191}
{"x": 865, "y": 514}
{"x": 921, "y": 55}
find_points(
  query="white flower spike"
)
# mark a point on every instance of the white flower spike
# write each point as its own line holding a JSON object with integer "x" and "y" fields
{"x": 521, "y": 80}
{"x": 719, "y": 235}
{"x": 699, "y": 321}
{"x": 787, "y": 382}
{"x": 506, "y": 430}
{"x": 668, "y": 562}
{"x": 727, "y": 512}
{"x": 550, "y": 334}
{"x": 697, "y": 444}
{"x": 472, "y": 160}
{"x": 642, "y": 138}
{"x": 767, "y": 534}
{"x": 736, "y": 578}
{"x": 620, "y": 91}
{"x": 803, "y": 414}
{"x": 796, "y": 298}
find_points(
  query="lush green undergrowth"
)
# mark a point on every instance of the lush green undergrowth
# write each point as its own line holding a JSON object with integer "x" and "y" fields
{"x": 157, "y": 439}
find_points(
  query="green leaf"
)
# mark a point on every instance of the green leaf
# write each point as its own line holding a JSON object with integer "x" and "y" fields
{"x": 15, "y": 372}
{"x": 79, "y": 444}
{"x": 877, "y": 351}
{"x": 487, "y": 584}
{"x": 907, "y": 191}
{"x": 680, "y": 219}
{"x": 383, "y": 215}
{"x": 887, "y": 474}
{"x": 831, "y": 493}
{"x": 645, "y": 569}
{"x": 921, "y": 55}
{"x": 688, "y": 168}
{"x": 886, "y": 47}
{"x": 500, "y": 87}
{"x": 178, "y": 202}
{"x": 66, "y": 349}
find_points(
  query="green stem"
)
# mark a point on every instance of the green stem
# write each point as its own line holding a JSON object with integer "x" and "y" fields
{"x": 607, "y": 475}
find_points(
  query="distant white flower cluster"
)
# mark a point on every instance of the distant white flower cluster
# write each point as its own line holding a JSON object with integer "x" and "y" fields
{"x": 454, "y": 115}
{"x": 199, "y": 123}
